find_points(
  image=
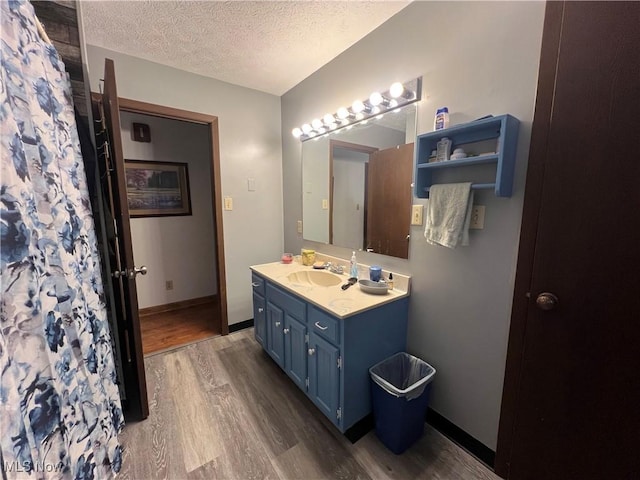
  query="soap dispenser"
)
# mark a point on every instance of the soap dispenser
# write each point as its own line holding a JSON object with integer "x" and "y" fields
{"x": 353, "y": 270}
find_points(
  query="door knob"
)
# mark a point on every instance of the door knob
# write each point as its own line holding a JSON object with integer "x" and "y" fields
{"x": 546, "y": 301}
{"x": 142, "y": 270}
{"x": 311, "y": 351}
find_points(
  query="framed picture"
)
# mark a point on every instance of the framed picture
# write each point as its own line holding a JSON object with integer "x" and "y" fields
{"x": 157, "y": 189}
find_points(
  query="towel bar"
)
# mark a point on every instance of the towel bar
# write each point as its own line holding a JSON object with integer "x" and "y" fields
{"x": 474, "y": 186}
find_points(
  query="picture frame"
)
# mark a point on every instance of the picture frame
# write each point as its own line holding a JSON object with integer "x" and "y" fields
{"x": 157, "y": 189}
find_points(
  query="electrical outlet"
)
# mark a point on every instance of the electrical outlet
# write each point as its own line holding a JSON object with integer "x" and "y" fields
{"x": 477, "y": 217}
{"x": 299, "y": 226}
{"x": 169, "y": 284}
{"x": 228, "y": 203}
{"x": 416, "y": 215}
{"x": 325, "y": 204}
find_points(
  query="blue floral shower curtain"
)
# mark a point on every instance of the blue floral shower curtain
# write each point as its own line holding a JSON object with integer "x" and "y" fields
{"x": 59, "y": 405}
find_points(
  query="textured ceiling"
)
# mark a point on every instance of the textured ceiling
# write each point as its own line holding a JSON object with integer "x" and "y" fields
{"x": 269, "y": 46}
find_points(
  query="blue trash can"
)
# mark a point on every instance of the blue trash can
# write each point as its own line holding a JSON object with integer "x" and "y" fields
{"x": 400, "y": 394}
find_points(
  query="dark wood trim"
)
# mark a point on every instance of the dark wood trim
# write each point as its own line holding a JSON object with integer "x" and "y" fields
{"x": 169, "y": 307}
{"x": 532, "y": 199}
{"x": 348, "y": 146}
{"x": 135, "y": 106}
{"x": 236, "y": 327}
{"x": 462, "y": 438}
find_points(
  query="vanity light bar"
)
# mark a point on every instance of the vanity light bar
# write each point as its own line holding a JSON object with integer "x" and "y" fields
{"x": 397, "y": 96}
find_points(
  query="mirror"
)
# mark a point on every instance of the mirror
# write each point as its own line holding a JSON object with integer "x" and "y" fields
{"x": 357, "y": 185}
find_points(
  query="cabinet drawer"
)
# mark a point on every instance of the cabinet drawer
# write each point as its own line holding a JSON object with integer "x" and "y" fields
{"x": 257, "y": 283}
{"x": 288, "y": 303}
{"x": 324, "y": 325}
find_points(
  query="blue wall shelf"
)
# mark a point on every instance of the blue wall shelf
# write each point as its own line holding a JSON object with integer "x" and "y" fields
{"x": 496, "y": 138}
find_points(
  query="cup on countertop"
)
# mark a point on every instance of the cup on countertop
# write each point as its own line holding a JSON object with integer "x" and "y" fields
{"x": 375, "y": 273}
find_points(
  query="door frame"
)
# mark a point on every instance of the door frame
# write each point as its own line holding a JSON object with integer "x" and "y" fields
{"x": 135, "y": 106}
{"x": 528, "y": 232}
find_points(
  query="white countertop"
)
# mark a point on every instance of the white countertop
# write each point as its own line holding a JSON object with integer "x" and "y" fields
{"x": 338, "y": 302}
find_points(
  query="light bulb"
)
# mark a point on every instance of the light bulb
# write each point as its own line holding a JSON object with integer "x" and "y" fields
{"x": 357, "y": 106}
{"x": 375, "y": 99}
{"x": 328, "y": 119}
{"x": 333, "y": 126}
{"x": 375, "y": 110}
{"x": 320, "y": 130}
{"x": 345, "y": 121}
{"x": 316, "y": 123}
{"x": 343, "y": 113}
{"x": 306, "y": 128}
{"x": 396, "y": 90}
{"x": 312, "y": 134}
{"x": 393, "y": 103}
{"x": 359, "y": 116}
{"x": 296, "y": 132}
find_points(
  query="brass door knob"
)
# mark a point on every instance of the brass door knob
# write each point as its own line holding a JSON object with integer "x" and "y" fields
{"x": 546, "y": 301}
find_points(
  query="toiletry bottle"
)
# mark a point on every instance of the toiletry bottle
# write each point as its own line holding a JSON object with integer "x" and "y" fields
{"x": 442, "y": 119}
{"x": 443, "y": 149}
{"x": 353, "y": 267}
{"x": 390, "y": 281}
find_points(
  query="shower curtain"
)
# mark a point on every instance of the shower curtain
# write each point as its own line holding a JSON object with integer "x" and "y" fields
{"x": 60, "y": 410}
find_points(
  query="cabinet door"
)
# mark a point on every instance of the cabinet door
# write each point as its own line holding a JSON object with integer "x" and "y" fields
{"x": 275, "y": 341}
{"x": 324, "y": 376}
{"x": 295, "y": 350}
{"x": 259, "y": 320}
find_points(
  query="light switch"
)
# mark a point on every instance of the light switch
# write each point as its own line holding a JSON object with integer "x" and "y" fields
{"x": 325, "y": 204}
{"x": 477, "y": 217}
{"x": 416, "y": 214}
{"x": 228, "y": 203}
{"x": 251, "y": 184}
{"x": 299, "y": 226}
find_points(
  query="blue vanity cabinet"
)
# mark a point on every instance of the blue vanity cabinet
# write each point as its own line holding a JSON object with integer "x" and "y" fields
{"x": 295, "y": 350}
{"x": 259, "y": 307}
{"x": 275, "y": 334}
{"x": 282, "y": 308}
{"x": 324, "y": 377}
{"x": 329, "y": 357}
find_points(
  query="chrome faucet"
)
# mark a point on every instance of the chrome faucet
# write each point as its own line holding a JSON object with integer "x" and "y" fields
{"x": 339, "y": 269}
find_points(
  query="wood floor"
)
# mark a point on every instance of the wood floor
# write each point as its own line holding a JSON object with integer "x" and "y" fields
{"x": 221, "y": 408}
{"x": 166, "y": 330}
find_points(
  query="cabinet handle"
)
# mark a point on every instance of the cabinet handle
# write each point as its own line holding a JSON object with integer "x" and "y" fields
{"x": 255, "y": 284}
{"x": 277, "y": 324}
{"x": 320, "y": 326}
{"x": 312, "y": 351}
{"x": 285, "y": 331}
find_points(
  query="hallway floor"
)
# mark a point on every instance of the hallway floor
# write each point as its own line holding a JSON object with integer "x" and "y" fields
{"x": 221, "y": 408}
{"x": 168, "y": 330}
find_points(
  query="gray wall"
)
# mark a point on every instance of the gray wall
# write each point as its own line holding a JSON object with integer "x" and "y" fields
{"x": 250, "y": 147}
{"x": 476, "y": 58}
{"x": 181, "y": 248}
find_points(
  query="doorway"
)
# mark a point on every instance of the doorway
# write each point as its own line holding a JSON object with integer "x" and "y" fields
{"x": 177, "y": 298}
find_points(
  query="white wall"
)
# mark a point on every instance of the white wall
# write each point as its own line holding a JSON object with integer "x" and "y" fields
{"x": 476, "y": 58}
{"x": 181, "y": 248}
{"x": 250, "y": 147}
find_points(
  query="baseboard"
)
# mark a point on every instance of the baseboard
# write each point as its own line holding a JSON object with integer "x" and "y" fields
{"x": 235, "y": 327}
{"x": 360, "y": 428}
{"x": 177, "y": 305}
{"x": 462, "y": 438}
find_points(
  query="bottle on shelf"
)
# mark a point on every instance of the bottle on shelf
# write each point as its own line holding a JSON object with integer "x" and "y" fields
{"x": 442, "y": 119}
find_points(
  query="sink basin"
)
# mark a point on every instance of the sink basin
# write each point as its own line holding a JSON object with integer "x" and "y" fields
{"x": 315, "y": 278}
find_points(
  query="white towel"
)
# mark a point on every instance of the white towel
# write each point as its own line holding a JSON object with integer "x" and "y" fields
{"x": 449, "y": 214}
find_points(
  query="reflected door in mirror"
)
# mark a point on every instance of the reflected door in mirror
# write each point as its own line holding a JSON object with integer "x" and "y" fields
{"x": 389, "y": 201}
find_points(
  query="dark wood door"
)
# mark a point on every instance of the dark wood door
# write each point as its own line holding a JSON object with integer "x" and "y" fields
{"x": 121, "y": 252}
{"x": 389, "y": 200}
{"x": 571, "y": 404}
